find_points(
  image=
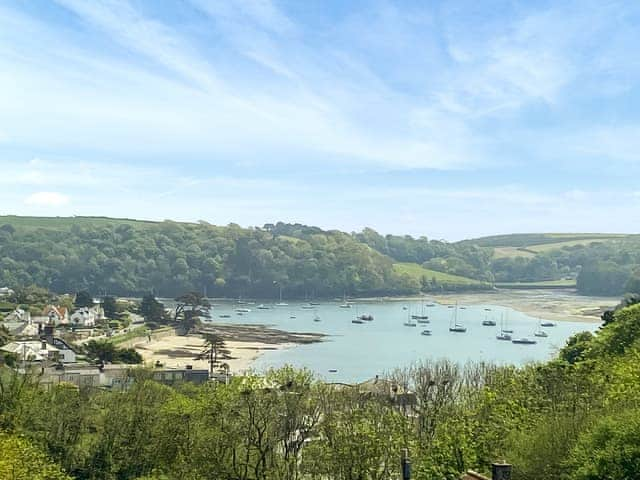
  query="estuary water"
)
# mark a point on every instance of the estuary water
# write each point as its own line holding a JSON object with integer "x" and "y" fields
{"x": 357, "y": 352}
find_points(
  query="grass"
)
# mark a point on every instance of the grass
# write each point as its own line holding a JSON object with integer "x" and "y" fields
{"x": 563, "y": 283}
{"x": 417, "y": 271}
{"x": 511, "y": 252}
{"x": 531, "y": 239}
{"x": 59, "y": 223}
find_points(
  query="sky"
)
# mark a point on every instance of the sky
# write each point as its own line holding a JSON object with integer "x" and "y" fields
{"x": 442, "y": 118}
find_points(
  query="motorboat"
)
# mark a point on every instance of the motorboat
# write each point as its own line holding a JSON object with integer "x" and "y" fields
{"x": 503, "y": 336}
{"x": 547, "y": 324}
{"x": 426, "y": 333}
{"x": 243, "y": 310}
{"x": 262, "y": 306}
{"x": 489, "y": 323}
{"x": 357, "y": 320}
{"x": 524, "y": 341}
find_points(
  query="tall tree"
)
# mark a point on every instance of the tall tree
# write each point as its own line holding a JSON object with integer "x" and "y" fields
{"x": 190, "y": 308}
{"x": 110, "y": 308}
{"x": 83, "y": 299}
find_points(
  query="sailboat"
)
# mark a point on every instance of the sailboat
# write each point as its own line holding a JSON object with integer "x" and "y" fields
{"x": 316, "y": 318}
{"x": 410, "y": 322}
{"x": 281, "y": 303}
{"x": 345, "y": 304}
{"x": 547, "y": 324}
{"x": 358, "y": 319}
{"x": 524, "y": 341}
{"x": 504, "y": 334}
{"x": 422, "y": 316}
{"x": 456, "y": 327}
{"x": 506, "y": 320}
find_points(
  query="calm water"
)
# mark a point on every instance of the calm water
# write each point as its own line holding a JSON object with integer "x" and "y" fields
{"x": 359, "y": 352}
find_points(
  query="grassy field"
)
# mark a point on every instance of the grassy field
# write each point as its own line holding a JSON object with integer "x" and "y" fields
{"x": 546, "y": 284}
{"x": 528, "y": 240}
{"x": 418, "y": 272}
{"x": 55, "y": 223}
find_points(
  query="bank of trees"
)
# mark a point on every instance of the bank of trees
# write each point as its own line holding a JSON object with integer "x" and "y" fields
{"x": 576, "y": 417}
{"x": 167, "y": 258}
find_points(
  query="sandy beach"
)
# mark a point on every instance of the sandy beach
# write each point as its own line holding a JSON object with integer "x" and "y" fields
{"x": 244, "y": 342}
{"x": 555, "y": 305}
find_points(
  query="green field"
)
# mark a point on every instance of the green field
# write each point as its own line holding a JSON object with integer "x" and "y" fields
{"x": 563, "y": 283}
{"x": 417, "y": 271}
{"x": 527, "y": 240}
{"x": 54, "y": 223}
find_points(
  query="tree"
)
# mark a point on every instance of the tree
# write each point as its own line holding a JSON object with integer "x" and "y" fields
{"x": 83, "y": 299}
{"x": 105, "y": 351}
{"x": 20, "y": 460}
{"x": 110, "y": 308}
{"x": 151, "y": 309}
{"x": 215, "y": 350}
{"x": 189, "y": 309}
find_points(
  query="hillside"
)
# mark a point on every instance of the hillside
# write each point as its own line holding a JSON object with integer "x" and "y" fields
{"x": 127, "y": 256}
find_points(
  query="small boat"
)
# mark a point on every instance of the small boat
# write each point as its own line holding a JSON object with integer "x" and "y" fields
{"x": 426, "y": 333}
{"x": 262, "y": 306}
{"x": 489, "y": 323}
{"x": 345, "y": 305}
{"x": 240, "y": 313}
{"x": 431, "y": 304}
{"x": 316, "y": 318}
{"x": 282, "y": 304}
{"x": 541, "y": 333}
{"x": 292, "y": 316}
{"x": 503, "y": 336}
{"x": 307, "y": 307}
{"x": 333, "y": 370}
{"x": 243, "y": 310}
{"x": 487, "y": 309}
{"x": 524, "y": 341}
{"x": 507, "y": 331}
{"x": 224, "y": 315}
{"x": 366, "y": 317}
{"x": 463, "y": 308}
{"x": 423, "y": 320}
{"x": 450, "y": 306}
{"x": 454, "y": 326}
{"x": 404, "y": 308}
{"x": 357, "y": 320}
{"x": 315, "y": 304}
{"x": 547, "y": 324}
{"x": 419, "y": 317}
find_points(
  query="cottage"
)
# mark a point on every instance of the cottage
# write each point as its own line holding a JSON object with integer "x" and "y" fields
{"x": 22, "y": 329}
{"x": 56, "y": 315}
{"x": 32, "y": 351}
{"x": 86, "y": 316}
{"x": 6, "y": 292}
{"x": 18, "y": 315}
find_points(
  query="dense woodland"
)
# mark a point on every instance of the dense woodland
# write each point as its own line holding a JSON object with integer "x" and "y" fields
{"x": 576, "y": 417}
{"x": 124, "y": 257}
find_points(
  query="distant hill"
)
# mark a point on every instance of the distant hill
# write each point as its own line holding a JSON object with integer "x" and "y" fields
{"x": 128, "y": 256}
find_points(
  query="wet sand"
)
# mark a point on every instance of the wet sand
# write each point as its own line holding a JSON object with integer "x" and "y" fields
{"x": 245, "y": 344}
{"x": 556, "y": 305}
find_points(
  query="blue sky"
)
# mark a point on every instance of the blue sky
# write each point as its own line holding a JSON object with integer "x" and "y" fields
{"x": 445, "y": 119}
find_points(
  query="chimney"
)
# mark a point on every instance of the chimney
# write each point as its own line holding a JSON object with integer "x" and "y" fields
{"x": 500, "y": 471}
{"x": 48, "y": 333}
{"x": 43, "y": 345}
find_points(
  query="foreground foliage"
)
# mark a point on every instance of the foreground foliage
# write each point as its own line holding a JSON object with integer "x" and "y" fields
{"x": 574, "y": 418}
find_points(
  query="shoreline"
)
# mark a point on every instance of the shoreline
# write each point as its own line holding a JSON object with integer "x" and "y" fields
{"x": 245, "y": 343}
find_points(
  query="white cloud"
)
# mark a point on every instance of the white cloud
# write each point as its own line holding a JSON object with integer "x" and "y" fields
{"x": 47, "y": 199}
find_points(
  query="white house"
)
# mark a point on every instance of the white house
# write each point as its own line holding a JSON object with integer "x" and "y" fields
{"x": 18, "y": 315}
{"x": 6, "y": 291}
{"x": 86, "y": 316}
{"x": 32, "y": 351}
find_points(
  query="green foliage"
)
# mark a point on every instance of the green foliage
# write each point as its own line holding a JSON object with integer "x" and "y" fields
{"x": 110, "y": 307}
{"x": 610, "y": 450}
{"x": 83, "y": 299}
{"x": 105, "y": 351}
{"x": 20, "y": 460}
